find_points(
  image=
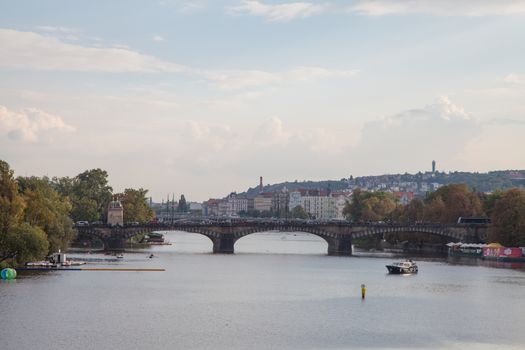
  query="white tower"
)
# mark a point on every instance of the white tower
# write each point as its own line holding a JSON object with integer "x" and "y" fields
{"x": 115, "y": 213}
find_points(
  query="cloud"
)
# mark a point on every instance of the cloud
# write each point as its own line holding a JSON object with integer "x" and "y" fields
{"x": 33, "y": 51}
{"x": 440, "y": 8}
{"x": 236, "y": 79}
{"x": 277, "y": 13}
{"x": 272, "y": 132}
{"x": 157, "y": 38}
{"x": 316, "y": 73}
{"x": 514, "y": 78}
{"x": 30, "y": 123}
{"x": 28, "y": 50}
{"x": 405, "y": 140}
{"x": 61, "y": 30}
{"x": 186, "y": 7}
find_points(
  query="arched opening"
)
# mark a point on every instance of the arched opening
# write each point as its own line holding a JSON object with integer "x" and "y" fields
{"x": 183, "y": 242}
{"x": 277, "y": 242}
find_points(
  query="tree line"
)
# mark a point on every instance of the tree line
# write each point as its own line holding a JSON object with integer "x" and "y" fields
{"x": 506, "y": 210}
{"x": 37, "y": 215}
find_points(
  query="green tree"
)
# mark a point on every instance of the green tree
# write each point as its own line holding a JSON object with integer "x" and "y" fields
{"x": 89, "y": 193}
{"x": 48, "y": 210}
{"x": 370, "y": 206}
{"x": 508, "y": 219}
{"x": 353, "y": 210}
{"x": 488, "y": 201}
{"x": 11, "y": 211}
{"x": 135, "y": 205}
{"x": 299, "y": 213}
{"x": 413, "y": 211}
{"x": 11, "y": 203}
{"x": 25, "y": 243}
{"x": 457, "y": 201}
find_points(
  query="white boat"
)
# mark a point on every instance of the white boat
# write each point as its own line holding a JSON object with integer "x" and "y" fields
{"x": 119, "y": 256}
{"x": 403, "y": 267}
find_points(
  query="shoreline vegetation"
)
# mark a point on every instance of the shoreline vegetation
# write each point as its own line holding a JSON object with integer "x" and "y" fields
{"x": 37, "y": 215}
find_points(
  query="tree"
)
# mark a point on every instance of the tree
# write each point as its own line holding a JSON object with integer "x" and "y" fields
{"x": 353, "y": 210}
{"x": 370, "y": 206}
{"x": 508, "y": 219}
{"x": 135, "y": 205}
{"x": 11, "y": 203}
{"x": 89, "y": 193}
{"x": 48, "y": 210}
{"x": 24, "y": 243}
{"x": 378, "y": 206}
{"x": 413, "y": 211}
{"x": 457, "y": 201}
{"x": 11, "y": 210}
{"x": 299, "y": 213}
{"x": 488, "y": 201}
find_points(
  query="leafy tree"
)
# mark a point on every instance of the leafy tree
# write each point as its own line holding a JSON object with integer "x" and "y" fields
{"x": 24, "y": 243}
{"x": 378, "y": 206}
{"x": 135, "y": 205}
{"x": 508, "y": 219}
{"x": 89, "y": 193}
{"x": 413, "y": 211}
{"x": 370, "y": 206}
{"x": 488, "y": 201}
{"x": 11, "y": 210}
{"x": 11, "y": 203}
{"x": 299, "y": 213}
{"x": 457, "y": 201}
{"x": 354, "y": 210}
{"x": 48, "y": 210}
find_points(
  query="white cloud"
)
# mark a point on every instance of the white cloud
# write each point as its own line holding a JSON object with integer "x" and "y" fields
{"x": 28, "y": 50}
{"x": 514, "y": 78}
{"x": 406, "y": 140}
{"x": 157, "y": 38}
{"x": 272, "y": 132}
{"x": 53, "y": 29}
{"x": 278, "y": 13}
{"x": 236, "y": 79}
{"x": 32, "y": 51}
{"x": 30, "y": 123}
{"x": 316, "y": 73}
{"x": 441, "y": 8}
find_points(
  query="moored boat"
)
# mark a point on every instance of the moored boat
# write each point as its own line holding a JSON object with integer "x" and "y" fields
{"x": 403, "y": 267}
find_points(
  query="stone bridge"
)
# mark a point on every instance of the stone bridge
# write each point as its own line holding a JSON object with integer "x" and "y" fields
{"x": 224, "y": 234}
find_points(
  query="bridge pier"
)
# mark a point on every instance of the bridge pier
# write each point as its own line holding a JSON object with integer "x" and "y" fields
{"x": 224, "y": 244}
{"x": 114, "y": 243}
{"x": 340, "y": 246}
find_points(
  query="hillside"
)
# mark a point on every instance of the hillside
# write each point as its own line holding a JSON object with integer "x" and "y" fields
{"x": 420, "y": 182}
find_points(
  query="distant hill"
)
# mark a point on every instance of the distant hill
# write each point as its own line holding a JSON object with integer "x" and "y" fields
{"x": 481, "y": 182}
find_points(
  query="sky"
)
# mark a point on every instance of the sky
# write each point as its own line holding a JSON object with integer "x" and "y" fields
{"x": 202, "y": 97}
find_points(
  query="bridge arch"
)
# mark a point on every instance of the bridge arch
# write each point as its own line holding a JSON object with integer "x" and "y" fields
{"x": 436, "y": 230}
{"x": 280, "y": 242}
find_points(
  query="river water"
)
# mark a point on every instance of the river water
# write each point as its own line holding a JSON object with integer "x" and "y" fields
{"x": 279, "y": 291}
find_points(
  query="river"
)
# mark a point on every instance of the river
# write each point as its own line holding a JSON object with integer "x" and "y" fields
{"x": 279, "y": 291}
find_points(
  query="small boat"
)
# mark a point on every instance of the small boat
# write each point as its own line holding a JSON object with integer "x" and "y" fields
{"x": 403, "y": 267}
{"x": 119, "y": 256}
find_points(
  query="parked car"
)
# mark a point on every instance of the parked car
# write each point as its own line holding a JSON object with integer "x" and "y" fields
{"x": 82, "y": 223}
